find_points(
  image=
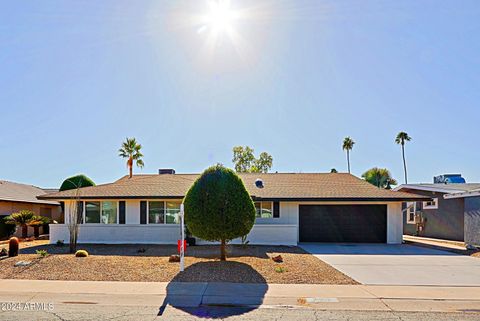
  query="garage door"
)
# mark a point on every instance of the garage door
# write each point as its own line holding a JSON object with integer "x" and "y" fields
{"x": 343, "y": 223}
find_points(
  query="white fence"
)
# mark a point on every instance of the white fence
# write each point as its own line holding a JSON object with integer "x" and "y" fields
{"x": 266, "y": 234}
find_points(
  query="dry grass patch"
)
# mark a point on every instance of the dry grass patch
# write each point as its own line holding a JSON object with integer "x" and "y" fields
{"x": 251, "y": 264}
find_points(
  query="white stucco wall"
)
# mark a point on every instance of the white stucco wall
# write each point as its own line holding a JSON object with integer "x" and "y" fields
{"x": 165, "y": 234}
{"x": 132, "y": 212}
{"x": 118, "y": 233}
{"x": 394, "y": 223}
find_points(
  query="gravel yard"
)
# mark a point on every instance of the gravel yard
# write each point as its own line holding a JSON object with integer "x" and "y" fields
{"x": 251, "y": 264}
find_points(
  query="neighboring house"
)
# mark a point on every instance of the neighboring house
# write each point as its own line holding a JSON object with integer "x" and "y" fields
{"x": 452, "y": 214}
{"x": 15, "y": 197}
{"x": 291, "y": 208}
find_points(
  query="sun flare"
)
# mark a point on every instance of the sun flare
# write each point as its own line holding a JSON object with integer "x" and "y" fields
{"x": 220, "y": 16}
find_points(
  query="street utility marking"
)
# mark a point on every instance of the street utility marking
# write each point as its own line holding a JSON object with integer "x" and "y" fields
{"x": 317, "y": 300}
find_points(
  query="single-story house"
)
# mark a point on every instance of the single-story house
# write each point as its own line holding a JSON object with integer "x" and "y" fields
{"x": 15, "y": 197}
{"x": 291, "y": 208}
{"x": 453, "y": 213}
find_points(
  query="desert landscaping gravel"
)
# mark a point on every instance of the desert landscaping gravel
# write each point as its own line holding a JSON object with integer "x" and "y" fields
{"x": 250, "y": 264}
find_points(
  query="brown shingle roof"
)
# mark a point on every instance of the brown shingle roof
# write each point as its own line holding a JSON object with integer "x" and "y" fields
{"x": 16, "y": 192}
{"x": 277, "y": 186}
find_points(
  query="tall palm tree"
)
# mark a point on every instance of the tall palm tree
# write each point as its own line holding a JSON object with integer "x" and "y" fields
{"x": 348, "y": 146}
{"x": 131, "y": 150}
{"x": 401, "y": 138}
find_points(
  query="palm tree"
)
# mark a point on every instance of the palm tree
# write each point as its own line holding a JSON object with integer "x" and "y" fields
{"x": 348, "y": 145}
{"x": 379, "y": 177}
{"x": 131, "y": 150}
{"x": 401, "y": 138}
{"x": 22, "y": 219}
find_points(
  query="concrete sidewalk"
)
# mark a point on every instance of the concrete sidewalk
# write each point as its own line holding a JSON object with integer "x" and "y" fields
{"x": 190, "y": 295}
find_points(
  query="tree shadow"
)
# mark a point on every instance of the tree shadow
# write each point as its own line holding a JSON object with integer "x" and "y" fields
{"x": 213, "y": 294}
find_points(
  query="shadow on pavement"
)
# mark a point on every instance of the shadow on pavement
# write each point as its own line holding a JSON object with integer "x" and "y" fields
{"x": 207, "y": 299}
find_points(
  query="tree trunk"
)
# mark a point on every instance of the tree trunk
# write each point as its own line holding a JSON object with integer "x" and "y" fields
{"x": 223, "y": 256}
{"x": 130, "y": 166}
{"x": 404, "y": 164}
{"x": 24, "y": 231}
{"x": 73, "y": 243}
{"x": 348, "y": 160}
{"x": 36, "y": 231}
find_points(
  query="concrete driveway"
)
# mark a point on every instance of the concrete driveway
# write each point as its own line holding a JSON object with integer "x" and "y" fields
{"x": 383, "y": 264}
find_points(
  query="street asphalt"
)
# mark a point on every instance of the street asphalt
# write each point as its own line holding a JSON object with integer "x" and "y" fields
{"x": 85, "y": 300}
{"x": 101, "y": 312}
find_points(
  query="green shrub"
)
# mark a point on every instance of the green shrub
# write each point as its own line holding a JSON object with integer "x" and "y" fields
{"x": 42, "y": 253}
{"x": 218, "y": 207}
{"x": 60, "y": 243}
{"x": 280, "y": 269}
{"x": 81, "y": 253}
{"x": 6, "y": 230}
{"x": 76, "y": 181}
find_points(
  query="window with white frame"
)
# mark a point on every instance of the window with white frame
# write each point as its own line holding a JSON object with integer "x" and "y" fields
{"x": 160, "y": 212}
{"x": 101, "y": 212}
{"x": 411, "y": 210}
{"x": 109, "y": 213}
{"x": 264, "y": 209}
{"x": 431, "y": 205}
{"x": 156, "y": 212}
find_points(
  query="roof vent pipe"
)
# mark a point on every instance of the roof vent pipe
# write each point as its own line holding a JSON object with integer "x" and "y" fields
{"x": 259, "y": 183}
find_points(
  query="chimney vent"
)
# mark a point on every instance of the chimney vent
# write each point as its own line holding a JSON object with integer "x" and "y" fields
{"x": 162, "y": 171}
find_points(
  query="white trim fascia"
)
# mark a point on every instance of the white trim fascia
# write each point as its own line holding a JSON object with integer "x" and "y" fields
{"x": 462, "y": 194}
{"x": 426, "y": 188}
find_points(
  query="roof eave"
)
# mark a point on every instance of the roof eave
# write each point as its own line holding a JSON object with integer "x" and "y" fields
{"x": 425, "y": 188}
{"x": 272, "y": 199}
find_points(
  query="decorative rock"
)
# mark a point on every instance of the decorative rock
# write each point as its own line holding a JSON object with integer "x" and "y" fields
{"x": 277, "y": 259}
{"x": 174, "y": 258}
{"x": 23, "y": 263}
{"x": 3, "y": 252}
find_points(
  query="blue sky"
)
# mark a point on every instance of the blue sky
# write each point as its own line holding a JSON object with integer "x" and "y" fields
{"x": 77, "y": 77}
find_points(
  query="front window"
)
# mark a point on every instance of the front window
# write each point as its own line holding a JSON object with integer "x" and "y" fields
{"x": 92, "y": 212}
{"x": 101, "y": 212}
{"x": 264, "y": 209}
{"x": 109, "y": 213}
{"x": 163, "y": 212}
{"x": 411, "y": 209}
{"x": 171, "y": 214}
{"x": 156, "y": 213}
{"x": 431, "y": 205}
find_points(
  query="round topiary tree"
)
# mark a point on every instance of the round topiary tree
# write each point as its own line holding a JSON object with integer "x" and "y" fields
{"x": 218, "y": 207}
{"x": 76, "y": 181}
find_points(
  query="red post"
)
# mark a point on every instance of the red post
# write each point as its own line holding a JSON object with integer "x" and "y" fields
{"x": 179, "y": 244}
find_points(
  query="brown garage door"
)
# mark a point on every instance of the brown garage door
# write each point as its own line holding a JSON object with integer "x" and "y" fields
{"x": 343, "y": 223}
